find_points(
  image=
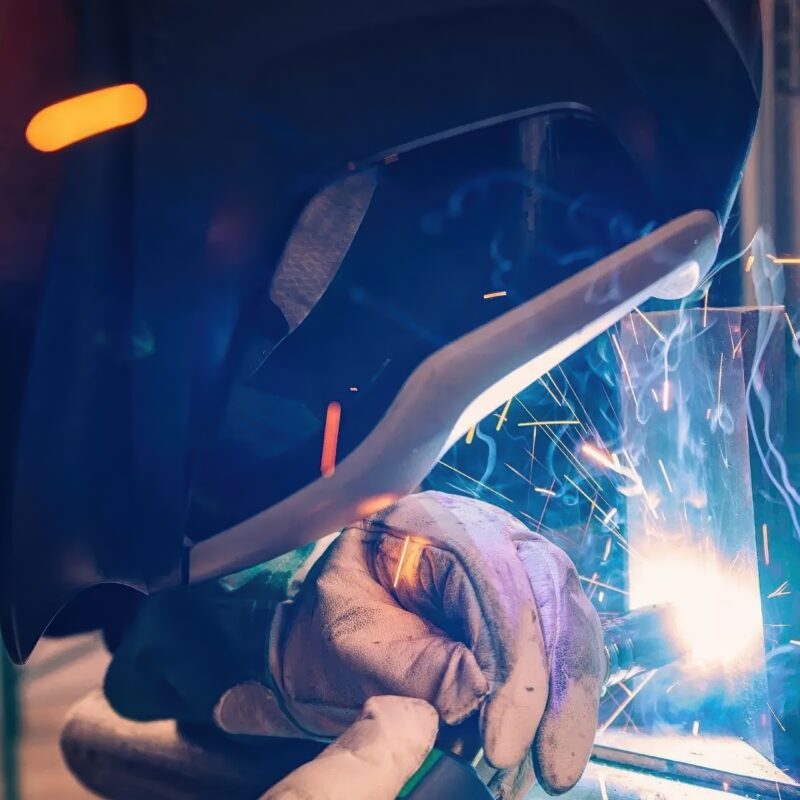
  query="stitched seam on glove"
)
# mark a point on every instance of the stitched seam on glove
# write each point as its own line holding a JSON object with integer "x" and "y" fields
{"x": 272, "y": 685}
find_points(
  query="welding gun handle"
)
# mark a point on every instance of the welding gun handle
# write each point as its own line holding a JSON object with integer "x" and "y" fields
{"x": 442, "y": 776}
{"x": 640, "y": 641}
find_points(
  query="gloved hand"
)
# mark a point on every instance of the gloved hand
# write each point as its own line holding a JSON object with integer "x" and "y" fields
{"x": 437, "y": 598}
{"x": 440, "y": 597}
{"x": 372, "y": 759}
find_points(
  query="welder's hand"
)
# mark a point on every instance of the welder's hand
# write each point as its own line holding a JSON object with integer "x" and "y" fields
{"x": 372, "y": 759}
{"x": 451, "y": 600}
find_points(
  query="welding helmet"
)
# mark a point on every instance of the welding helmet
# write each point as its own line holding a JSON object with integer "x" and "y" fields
{"x": 341, "y": 234}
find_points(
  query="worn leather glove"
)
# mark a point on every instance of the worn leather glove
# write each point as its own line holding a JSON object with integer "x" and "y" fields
{"x": 454, "y": 601}
{"x": 439, "y": 597}
{"x": 372, "y": 759}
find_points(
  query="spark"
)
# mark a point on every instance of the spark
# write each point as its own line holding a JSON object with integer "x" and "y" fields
{"x": 477, "y": 760}
{"x": 665, "y": 404}
{"x": 619, "y": 709}
{"x": 730, "y": 333}
{"x": 475, "y": 480}
{"x": 791, "y": 327}
{"x": 551, "y": 532}
{"x": 655, "y": 395}
{"x": 400, "y": 562}
{"x": 61, "y": 124}
{"x": 517, "y": 472}
{"x": 696, "y": 727}
{"x": 624, "y": 367}
{"x": 608, "y": 517}
{"x": 652, "y": 327}
{"x": 781, "y": 591}
{"x": 540, "y": 490}
{"x": 738, "y": 346}
{"x": 493, "y": 295}
{"x": 594, "y": 582}
{"x": 593, "y": 502}
{"x": 602, "y": 783}
{"x": 463, "y": 489}
{"x": 612, "y": 463}
{"x": 784, "y": 259}
{"x": 795, "y": 642}
{"x": 705, "y": 307}
{"x": 471, "y": 434}
{"x": 585, "y": 529}
{"x": 550, "y": 391}
{"x": 544, "y": 507}
{"x": 556, "y": 386}
{"x": 607, "y": 551}
{"x": 599, "y": 456}
{"x": 330, "y": 439}
{"x": 577, "y": 396}
{"x": 719, "y": 385}
{"x": 633, "y": 327}
{"x": 567, "y": 453}
{"x": 664, "y": 473}
{"x": 776, "y": 717}
{"x": 504, "y": 414}
{"x": 601, "y": 596}
{"x": 765, "y": 536}
{"x": 749, "y": 264}
{"x": 354, "y": 388}
{"x": 547, "y": 423}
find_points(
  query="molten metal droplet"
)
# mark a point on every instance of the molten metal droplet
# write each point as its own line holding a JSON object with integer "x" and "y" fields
{"x": 330, "y": 439}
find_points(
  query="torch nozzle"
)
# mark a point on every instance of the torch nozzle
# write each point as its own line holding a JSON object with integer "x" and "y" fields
{"x": 639, "y": 641}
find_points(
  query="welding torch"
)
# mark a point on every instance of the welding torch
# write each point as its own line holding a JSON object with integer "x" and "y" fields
{"x": 636, "y": 642}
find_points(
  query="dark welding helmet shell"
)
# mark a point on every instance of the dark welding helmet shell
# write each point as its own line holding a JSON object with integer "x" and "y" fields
{"x": 316, "y": 201}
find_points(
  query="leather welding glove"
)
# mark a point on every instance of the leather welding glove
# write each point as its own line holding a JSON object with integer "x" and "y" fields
{"x": 372, "y": 759}
{"x": 451, "y": 600}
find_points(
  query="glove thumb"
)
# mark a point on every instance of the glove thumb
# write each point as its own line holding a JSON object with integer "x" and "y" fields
{"x": 372, "y": 759}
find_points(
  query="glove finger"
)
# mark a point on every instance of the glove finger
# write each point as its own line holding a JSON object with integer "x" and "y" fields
{"x": 513, "y": 784}
{"x": 430, "y": 667}
{"x": 452, "y": 560}
{"x": 574, "y": 641}
{"x": 372, "y": 759}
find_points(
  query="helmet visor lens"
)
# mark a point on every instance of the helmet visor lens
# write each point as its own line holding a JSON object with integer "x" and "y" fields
{"x": 396, "y": 260}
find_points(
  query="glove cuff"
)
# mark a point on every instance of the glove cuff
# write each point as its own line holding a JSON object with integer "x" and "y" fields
{"x": 257, "y": 707}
